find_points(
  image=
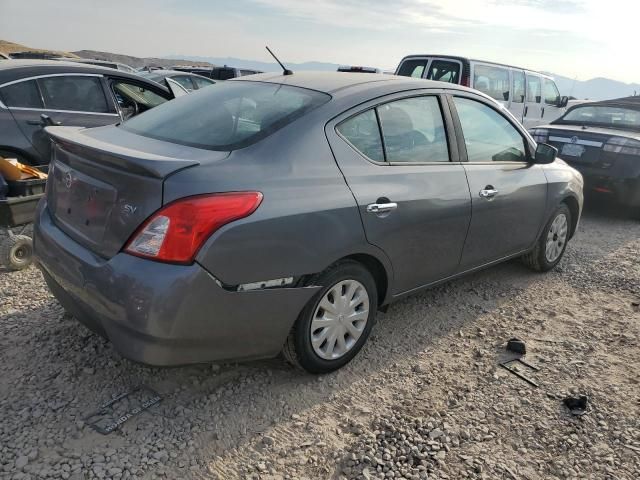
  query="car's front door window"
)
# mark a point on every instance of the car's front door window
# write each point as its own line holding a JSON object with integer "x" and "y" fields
{"x": 488, "y": 135}
{"x": 133, "y": 98}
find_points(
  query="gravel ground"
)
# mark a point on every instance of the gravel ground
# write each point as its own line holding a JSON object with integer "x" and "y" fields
{"x": 424, "y": 399}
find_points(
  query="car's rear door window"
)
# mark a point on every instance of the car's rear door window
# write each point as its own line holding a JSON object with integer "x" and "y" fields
{"x": 185, "y": 81}
{"x": 488, "y": 135}
{"x": 494, "y": 81}
{"x": 413, "y": 68}
{"x": 232, "y": 115}
{"x": 21, "y": 95}
{"x": 444, "y": 71}
{"x": 413, "y": 130}
{"x": 74, "y": 93}
{"x": 201, "y": 82}
{"x": 363, "y": 133}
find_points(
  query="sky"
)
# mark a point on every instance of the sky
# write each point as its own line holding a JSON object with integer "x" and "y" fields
{"x": 576, "y": 38}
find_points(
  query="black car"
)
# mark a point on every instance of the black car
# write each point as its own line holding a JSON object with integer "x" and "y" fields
{"x": 189, "y": 81}
{"x": 602, "y": 141}
{"x": 218, "y": 73}
{"x": 38, "y": 93}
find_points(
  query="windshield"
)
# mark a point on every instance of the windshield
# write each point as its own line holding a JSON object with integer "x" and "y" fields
{"x": 603, "y": 115}
{"x": 232, "y": 115}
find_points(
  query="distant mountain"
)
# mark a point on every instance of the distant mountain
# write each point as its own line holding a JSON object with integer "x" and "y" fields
{"x": 136, "y": 62}
{"x": 596, "y": 88}
{"x": 263, "y": 66}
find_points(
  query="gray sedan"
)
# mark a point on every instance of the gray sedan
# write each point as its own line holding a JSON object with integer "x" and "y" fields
{"x": 279, "y": 213}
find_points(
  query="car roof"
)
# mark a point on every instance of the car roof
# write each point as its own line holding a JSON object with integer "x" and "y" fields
{"x": 11, "y": 70}
{"x": 338, "y": 83}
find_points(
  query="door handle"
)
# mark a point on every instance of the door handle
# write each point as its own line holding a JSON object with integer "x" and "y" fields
{"x": 488, "y": 192}
{"x": 381, "y": 208}
{"x": 45, "y": 121}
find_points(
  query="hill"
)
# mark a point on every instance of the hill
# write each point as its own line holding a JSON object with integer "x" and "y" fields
{"x": 11, "y": 47}
{"x": 138, "y": 62}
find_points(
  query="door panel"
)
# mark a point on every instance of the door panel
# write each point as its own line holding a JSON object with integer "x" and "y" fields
{"x": 426, "y": 206}
{"x": 533, "y": 106}
{"x": 518, "y": 94}
{"x": 30, "y": 124}
{"x": 508, "y": 194}
{"x": 509, "y": 222}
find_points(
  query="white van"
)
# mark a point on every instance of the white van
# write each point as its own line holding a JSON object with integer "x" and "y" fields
{"x": 532, "y": 97}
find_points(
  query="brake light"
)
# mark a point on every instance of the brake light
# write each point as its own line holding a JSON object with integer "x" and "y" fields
{"x": 465, "y": 80}
{"x": 176, "y": 232}
{"x": 622, "y": 145}
{"x": 540, "y": 135}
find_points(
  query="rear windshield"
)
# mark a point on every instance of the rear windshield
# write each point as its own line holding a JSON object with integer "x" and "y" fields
{"x": 603, "y": 115}
{"x": 233, "y": 115}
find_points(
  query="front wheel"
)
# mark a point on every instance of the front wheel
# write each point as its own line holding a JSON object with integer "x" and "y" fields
{"x": 552, "y": 242}
{"x": 335, "y": 324}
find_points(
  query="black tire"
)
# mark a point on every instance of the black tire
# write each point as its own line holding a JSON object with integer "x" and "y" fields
{"x": 536, "y": 259}
{"x": 298, "y": 349}
{"x": 16, "y": 252}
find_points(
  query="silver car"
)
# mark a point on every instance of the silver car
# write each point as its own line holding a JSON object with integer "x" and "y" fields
{"x": 279, "y": 213}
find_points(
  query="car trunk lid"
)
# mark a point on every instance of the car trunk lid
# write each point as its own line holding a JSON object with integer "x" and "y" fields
{"x": 104, "y": 183}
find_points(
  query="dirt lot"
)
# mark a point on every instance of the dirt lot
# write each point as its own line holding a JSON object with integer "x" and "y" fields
{"x": 425, "y": 399}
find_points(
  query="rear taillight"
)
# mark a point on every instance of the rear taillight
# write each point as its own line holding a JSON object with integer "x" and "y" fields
{"x": 540, "y": 135}
{"x": 465, "y": 81}
{"x": 625, "y": 146}
{"x": 176, "y": 232}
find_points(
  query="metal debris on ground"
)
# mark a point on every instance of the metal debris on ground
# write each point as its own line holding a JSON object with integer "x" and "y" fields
{"x": 509, "y": 366}
{"x": 517, "y": 346}
{"x": 120, "y": 408}
{"x": 577, "y": 405}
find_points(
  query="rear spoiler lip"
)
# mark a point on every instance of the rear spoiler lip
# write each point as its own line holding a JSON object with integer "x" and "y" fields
{"x": 113, "y": 155}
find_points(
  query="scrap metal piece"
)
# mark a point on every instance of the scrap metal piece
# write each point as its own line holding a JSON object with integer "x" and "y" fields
{"x": 108, "y": 407}
{"x": 507, "y": 366}
{"x": 577, "y": 405}
{"x": 517, "y": 346}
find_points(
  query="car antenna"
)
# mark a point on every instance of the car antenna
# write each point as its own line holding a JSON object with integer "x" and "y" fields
{"x": 285, "y": 70}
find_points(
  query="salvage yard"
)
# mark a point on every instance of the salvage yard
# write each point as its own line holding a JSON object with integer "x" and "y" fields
{"x": 426, "y": 397}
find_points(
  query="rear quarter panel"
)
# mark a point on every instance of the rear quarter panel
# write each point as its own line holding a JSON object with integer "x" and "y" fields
{"x": 308, "y": 218}
{"x": 564, "y": 183}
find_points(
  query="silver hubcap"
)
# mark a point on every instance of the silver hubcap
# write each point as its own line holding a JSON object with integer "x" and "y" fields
{"x": 556, "y": 238}
{"x": 340, "y": 319}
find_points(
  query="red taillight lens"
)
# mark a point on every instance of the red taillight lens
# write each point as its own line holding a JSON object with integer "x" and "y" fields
{"x": 176, "y": 232}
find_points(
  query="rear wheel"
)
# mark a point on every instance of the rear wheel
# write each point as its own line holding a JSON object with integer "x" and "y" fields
{"x": 16, "y": 252}
{"x": 552, "y": 242}
{"x": 335, "y": 324}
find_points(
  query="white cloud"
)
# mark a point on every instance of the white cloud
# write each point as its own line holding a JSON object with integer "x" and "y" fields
{"x": 582, "y": 38}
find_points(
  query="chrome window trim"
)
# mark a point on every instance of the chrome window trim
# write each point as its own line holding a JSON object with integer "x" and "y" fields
{"x": 36, "y": 77}
{"x": 50, "y": 75}
{"x": 64, "y": 111}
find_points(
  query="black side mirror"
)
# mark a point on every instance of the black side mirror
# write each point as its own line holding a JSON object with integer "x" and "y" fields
{"x": 563, "y": 101}
{"x": 545, "y": 154}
